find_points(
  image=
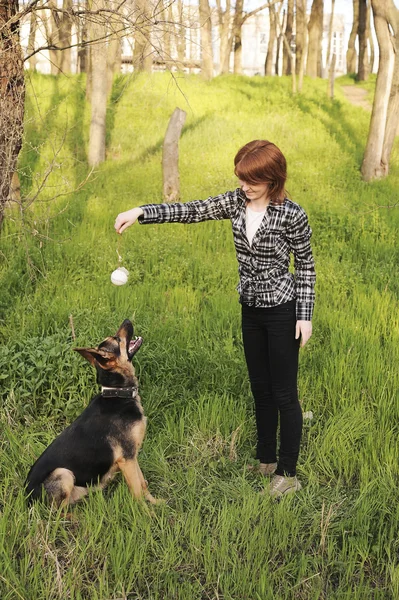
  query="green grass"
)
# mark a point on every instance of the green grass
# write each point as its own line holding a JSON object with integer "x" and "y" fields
{"x": 216, "y": 537}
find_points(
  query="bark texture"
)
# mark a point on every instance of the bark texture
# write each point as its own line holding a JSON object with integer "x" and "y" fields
{"x": 363, "y": 68}
{"x": 385, "y": 114}
{"x": 12, "y": 96}
{"x": 206, "y": 39}
{"x": 330, "y": 32}
{"x": 99, "y": 89}
{"x": 32, "y": 39}
{"x": 225, "y": 34}
{"x": 351, "y": 54}
{"x": 142, "y": 52}
{"x": 237, "y": 26}
{"x": 287, "y": 60}
{"x": 315, "y": 29}
{"x": 170, "y": 156}
{"x": 272, "y": 40}
{"x": 300, "y": 39}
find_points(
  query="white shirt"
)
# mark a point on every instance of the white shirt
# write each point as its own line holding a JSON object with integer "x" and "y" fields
{"x": 253, "y": 219}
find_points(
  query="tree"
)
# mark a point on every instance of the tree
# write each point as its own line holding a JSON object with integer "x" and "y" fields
{"x": 142, "y": 54}
{"x": 351, "y": 54}
{"x": 363, "y": 67}
{"x": 330, "y": 32}
{"x": 272, "y": 40}
{"x": 12, "y": 94}
{"x": 385, "y": 114}
{"x": 300, "y": 40}
{"x": 315, "y": 29}
{"x": 239, "y": 19}
{"x": 287, "y": 63}
{"x": 206, "y": 39}
{"x": 226, "y": 38}
{"x": 99, "y": 90}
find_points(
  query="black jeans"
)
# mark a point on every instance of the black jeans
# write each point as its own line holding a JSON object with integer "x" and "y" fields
{"x": 271, "y": 352}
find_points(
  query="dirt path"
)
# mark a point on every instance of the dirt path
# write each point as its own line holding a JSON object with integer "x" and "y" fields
{"x": 356, "y": 96}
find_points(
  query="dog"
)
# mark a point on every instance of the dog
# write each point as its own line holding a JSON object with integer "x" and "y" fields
{"x": 105, "y": 438}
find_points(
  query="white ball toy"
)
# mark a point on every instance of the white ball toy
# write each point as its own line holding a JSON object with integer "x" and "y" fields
{"x": 119, "y": 276}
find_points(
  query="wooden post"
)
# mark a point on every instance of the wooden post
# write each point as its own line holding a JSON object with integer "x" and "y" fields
{"x": 170, "y": 156}
{"x": 332, "y": 75}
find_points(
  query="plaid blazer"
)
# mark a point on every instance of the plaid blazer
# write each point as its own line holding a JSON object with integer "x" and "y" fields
{"x": 265, "y": 279}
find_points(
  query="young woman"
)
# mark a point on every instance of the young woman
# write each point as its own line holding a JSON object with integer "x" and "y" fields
{"x": 277, "y": 305}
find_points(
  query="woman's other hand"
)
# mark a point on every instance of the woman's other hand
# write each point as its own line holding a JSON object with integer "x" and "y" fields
{"x": 303, "y": 330}
{"x": 127, "y": 218}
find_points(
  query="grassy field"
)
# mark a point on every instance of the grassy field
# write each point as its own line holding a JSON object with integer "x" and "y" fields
{"x": 216, "y": 537}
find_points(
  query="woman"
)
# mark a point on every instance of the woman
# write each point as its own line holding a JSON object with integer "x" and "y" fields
{"x": 277, "y": 305}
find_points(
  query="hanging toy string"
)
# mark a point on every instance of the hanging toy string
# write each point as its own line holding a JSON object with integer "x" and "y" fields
{"x": 117, "y": 251}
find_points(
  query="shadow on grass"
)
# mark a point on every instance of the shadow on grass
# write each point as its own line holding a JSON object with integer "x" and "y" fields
{"x": 37, "y": 131}
{"x": 120, "y": 85}
{"x": 155, "y": 148}
{"x": 330, "y": 114}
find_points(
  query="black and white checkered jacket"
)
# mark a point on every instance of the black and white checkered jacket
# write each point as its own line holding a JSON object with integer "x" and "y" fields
{"x": 265, "y": 279}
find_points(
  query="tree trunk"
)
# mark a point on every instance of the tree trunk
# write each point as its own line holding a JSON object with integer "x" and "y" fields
{"x": 330, "y": 32}
{"x": 206, "y": 40}
{"x": 96, "y": 153}
{"x": 300, "y": 37}
{"x": 83, "y": 50}
{"x": 237, "y": 26}
{"x": 32, "y": 40}
{"x": 289, "y": 51}
{"x": 315, "y": 29}
{"x": 65, "y": 36}
{"x": 225, "y": 37}
{"x": 362, "y": 73}
{"x": 52, "y": 36}
{"x": 60, "y": 36}
{"x": 351, "y": 55}
{"x": 114, "y": 49}
{"x": 114, "y": 60}
{"x": 12, "y": 94}
{"x": 287, "y": 66}
{"x": 373, "y": 166}
{"x": 170, "y": 156}
{"x": 392, "y": 126}
{"x": 369, "y": 37}
{"x": 142, "y": 52}
{"x": 180, "y": 35}
{"x": 280, "y": 39}
{"x": 272, "y": 40}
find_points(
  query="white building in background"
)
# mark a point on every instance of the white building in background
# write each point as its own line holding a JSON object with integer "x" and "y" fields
{"x": 337, "y": 42}
{"x": 255, "y": 38}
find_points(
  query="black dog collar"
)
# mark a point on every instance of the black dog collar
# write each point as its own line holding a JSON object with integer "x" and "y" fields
{"x": 124, "y": 392}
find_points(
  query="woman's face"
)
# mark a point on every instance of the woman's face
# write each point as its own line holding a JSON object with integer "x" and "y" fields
{"x": 258, "y": 191}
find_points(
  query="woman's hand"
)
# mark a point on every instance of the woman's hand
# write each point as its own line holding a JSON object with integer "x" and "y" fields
{"x": 303, "y": 330}
{"x": 125, "y": 219}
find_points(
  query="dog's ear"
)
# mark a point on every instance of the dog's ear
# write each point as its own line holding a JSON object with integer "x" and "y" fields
{"x": 101, "y": 357}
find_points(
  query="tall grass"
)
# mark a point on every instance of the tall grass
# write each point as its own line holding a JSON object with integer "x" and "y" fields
{"x": 216, "y": 537}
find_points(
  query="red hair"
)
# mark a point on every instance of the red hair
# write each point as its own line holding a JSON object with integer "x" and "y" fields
{"x": 261, "y": 161}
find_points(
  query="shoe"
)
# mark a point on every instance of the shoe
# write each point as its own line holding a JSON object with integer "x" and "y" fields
{"x": 265, "y": 469}
{"x": 280, "y": 486}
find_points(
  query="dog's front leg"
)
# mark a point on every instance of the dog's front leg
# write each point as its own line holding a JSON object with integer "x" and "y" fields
{"x": 130, "y": 472}
{"x": 146, "y": 491}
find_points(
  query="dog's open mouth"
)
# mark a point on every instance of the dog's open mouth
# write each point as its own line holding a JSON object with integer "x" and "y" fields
{"x": 134, "y": 346}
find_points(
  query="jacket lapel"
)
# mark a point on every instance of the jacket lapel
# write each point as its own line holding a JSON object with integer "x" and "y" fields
{"x": 270, "y": 216}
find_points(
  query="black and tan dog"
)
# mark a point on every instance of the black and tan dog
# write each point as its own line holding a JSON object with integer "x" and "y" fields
{"x": 105, "y": 438}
